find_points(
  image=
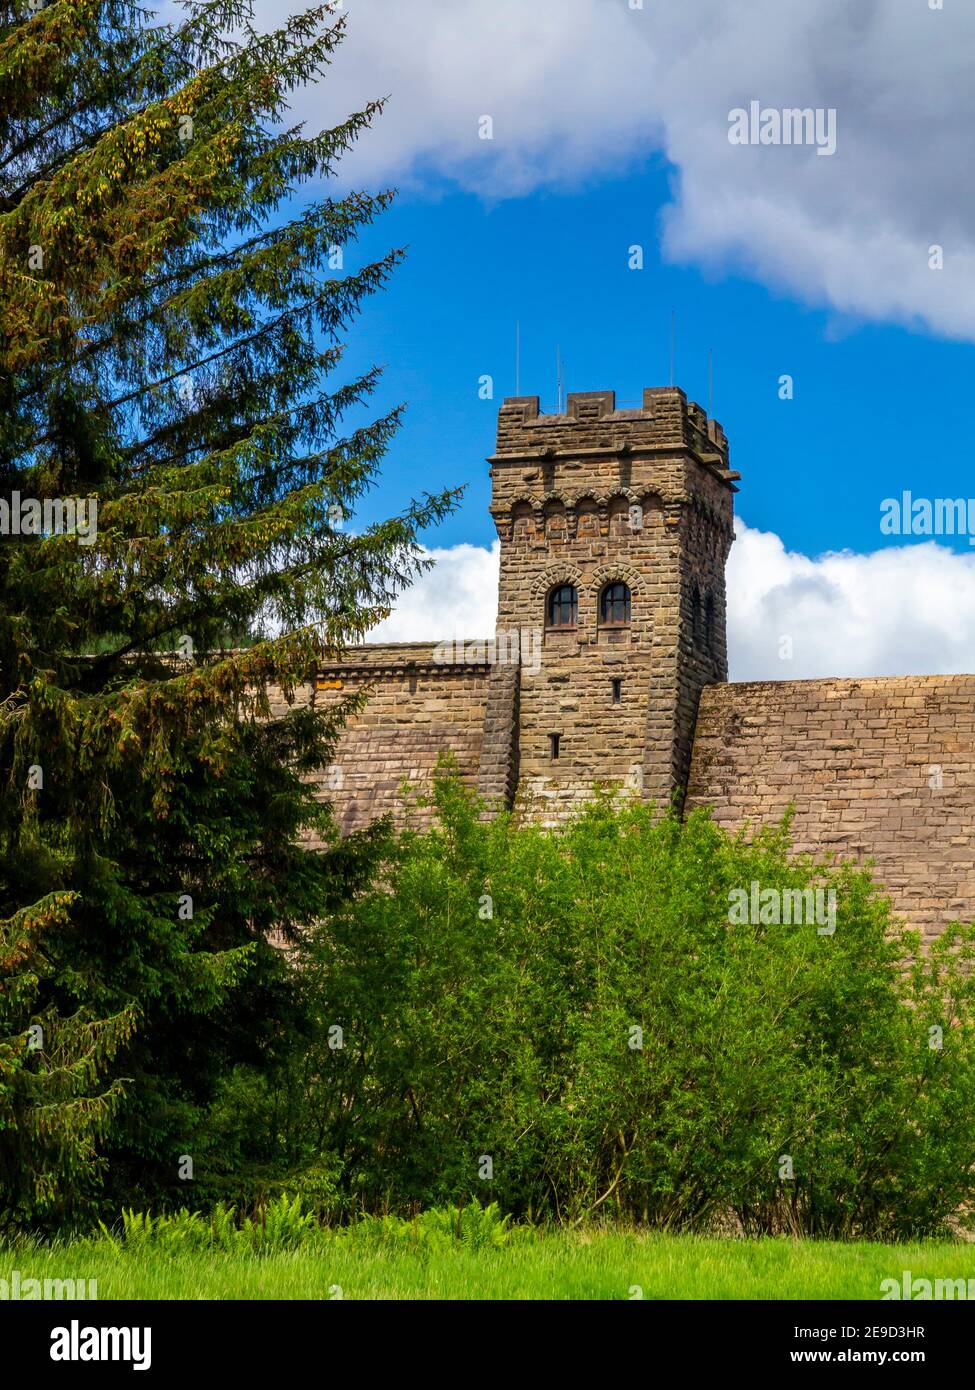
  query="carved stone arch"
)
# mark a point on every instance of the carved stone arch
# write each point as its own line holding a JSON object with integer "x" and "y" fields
{"x": 555, "y": 515}
{"x": 557, "y": 495}
{"x": 524, "y": 509}
{"x": 586, "y": 513}
{"x": 619, "y": 512}
{"x": 651, "y": 503}
{"x": 524, "y": 499}
{"x": 554, "y": 574}
{"x": 613, "y": 574}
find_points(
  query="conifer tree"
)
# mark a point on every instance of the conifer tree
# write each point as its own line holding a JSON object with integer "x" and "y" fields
{"x": 170, "y": 369}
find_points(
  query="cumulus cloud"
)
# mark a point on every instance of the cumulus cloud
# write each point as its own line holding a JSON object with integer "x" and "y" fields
{"x": 562, "y": 81}
{"x": 579, "y": 88}
{"x": 853, "y": 230}
{"x": 907, "y": 610}
{"x": 458, "y": 597}
{"x": 902, "y": 611}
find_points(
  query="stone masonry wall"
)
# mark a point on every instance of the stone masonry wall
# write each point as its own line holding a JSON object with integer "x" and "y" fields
{"x": 417, "y": 709}
{"x": 881, "y": 768}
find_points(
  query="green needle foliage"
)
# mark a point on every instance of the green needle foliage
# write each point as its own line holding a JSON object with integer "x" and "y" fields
{"x": 170, "y": 354}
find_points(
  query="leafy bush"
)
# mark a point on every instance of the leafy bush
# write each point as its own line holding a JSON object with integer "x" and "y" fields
{"x": 472, "y": 1226}
{"x": 572, "y": 1024}
{"x": 281, "y": 1225}
{"x": 575, "y": 1024}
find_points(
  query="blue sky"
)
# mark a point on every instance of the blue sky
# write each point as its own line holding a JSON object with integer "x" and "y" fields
{"x": 610, "y": 124}
{"x": 877, "y": 409}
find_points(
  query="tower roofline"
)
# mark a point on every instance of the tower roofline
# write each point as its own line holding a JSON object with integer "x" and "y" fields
{"x": 591, "y": 424}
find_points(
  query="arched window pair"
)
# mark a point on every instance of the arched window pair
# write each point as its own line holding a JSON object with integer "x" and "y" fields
{"x": 563, "y": 606}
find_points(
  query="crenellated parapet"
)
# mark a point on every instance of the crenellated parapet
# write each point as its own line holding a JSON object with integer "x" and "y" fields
{"x": 594, "y": 469}
{"x": 591, "y": 422}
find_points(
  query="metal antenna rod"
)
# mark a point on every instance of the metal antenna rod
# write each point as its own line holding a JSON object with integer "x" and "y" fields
{"x": 710, "y": 383}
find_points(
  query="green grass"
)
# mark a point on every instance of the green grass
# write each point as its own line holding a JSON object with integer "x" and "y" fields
{"x": 595, "y": 1265}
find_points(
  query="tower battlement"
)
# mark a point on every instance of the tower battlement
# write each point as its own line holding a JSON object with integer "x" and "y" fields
{"x": 665, "y": 421}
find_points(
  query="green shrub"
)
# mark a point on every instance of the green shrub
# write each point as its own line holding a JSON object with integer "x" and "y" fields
{"x": 281, "y": 1225}
{"x": 473, "y": 1226}
{"x": 489, "y": 993}
{"x": 180, "y": 1231}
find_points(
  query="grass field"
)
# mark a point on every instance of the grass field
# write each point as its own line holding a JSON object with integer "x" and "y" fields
{"x": 597, "y": 1265}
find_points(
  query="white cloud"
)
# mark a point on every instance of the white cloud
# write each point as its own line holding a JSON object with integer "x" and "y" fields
{"x": 907, "y": 610}
{"x": 562, "y": 80}
{"x": 853, "y": 230}
{"x": 579, "y": 88}
{"x": 457, "y": 598}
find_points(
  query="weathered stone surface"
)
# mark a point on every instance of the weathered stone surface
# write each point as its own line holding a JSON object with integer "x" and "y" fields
{"x": 881, "y": 769}
{"x": 417, "y": 709}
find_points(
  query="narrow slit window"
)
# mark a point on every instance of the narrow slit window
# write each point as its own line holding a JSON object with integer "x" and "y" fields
{"x": 617, "y": 690}
{"x": 553, "y": 742}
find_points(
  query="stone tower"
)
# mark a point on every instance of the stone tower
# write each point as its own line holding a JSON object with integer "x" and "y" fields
{"x": 615, "y": 526}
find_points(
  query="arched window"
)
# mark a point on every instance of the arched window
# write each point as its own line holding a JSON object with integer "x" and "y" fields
{"x": 614, "y": 605}
{"x": 696, "y": 616}
{"x": 562, "y": 609}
